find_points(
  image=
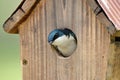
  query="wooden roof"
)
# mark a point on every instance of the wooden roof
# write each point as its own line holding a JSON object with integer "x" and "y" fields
{"x": 101, "y": 15}
{"x": 112, "y": 9}
{"x": 19, "y": 15}
{"x": 25, "y": 8}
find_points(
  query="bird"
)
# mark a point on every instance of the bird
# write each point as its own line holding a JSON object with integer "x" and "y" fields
{"x": 63, "y": 40}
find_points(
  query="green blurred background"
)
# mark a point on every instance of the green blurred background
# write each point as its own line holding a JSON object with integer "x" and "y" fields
{"x": 10, "y": 68}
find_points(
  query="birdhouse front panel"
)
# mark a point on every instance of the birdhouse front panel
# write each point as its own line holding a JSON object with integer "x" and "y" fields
{"x": 40, "y": 61}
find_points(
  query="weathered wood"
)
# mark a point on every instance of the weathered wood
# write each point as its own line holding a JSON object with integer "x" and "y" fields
{"x": 26, "y": 7}
{"x": 19, "y": 15}
{"x": 93, "y": 5}
{"x": 101, "y": 16}
{"x": 117, "y": 34}
{"x": 41, "y": 62}
{"x": 113, "y": 69}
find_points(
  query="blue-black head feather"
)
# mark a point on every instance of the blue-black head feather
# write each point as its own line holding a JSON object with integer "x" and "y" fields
{"x": 55, "y": 34}
{"x": 69, "y": 32}
{"x": 60, "y": 32}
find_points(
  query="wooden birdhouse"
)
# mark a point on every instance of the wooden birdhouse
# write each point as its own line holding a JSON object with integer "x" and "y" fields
{"x": 97, "y": 54}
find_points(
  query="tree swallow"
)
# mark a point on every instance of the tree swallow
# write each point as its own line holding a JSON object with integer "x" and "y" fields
{"x": 63, "y": 40}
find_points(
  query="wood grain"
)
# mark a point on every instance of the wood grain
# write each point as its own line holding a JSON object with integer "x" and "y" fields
{"x": 113, "y": 70}
{"x": 88, "y": 62}
{"x": 102, "y": 16}
{"x": 11, "y": 25}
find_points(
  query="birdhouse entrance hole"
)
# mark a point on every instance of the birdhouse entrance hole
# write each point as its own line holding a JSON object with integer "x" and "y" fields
{"x": 63, "y": 40}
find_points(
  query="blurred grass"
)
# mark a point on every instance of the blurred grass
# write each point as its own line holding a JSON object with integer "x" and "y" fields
{"x": 10, "y": 68}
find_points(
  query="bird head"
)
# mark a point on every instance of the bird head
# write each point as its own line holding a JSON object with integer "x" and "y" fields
{"x": 54, "y": 35}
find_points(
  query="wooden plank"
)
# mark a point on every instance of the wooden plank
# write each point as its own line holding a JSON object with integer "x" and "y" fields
{"x": 92, "y": 4}
{"x": 43, "y": 62}
{"x": 117, "y": 34}
{"x": 101, "y": 16}
{"x": 19, "y": 15}
{"x": 113, "y": 70}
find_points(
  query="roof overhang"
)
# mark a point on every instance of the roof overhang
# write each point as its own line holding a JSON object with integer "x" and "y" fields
{"x": 101, "y": 15}
{"x": 112, "y": 9}
{"x": 26, "y": 7}
{"x": 19, "y": 15}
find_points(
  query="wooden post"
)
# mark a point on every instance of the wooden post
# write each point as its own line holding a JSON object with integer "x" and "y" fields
{"x": 39, "y": 61}
{"x": 113, "y": 69}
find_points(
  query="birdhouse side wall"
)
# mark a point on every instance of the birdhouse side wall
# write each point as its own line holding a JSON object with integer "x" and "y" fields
{"x": 41, "y": 62}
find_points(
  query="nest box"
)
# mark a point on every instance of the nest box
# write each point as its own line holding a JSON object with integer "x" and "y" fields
{"x": 33, "y": 20}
